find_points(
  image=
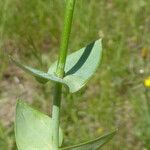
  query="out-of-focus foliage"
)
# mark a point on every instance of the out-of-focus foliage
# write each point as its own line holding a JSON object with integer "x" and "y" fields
{"x": 115, "y": 98}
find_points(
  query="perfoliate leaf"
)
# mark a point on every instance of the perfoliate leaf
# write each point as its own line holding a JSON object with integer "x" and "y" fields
{"x": 33, "y": 129}
{"x": 92, "y": 145}
{"x": 80, "y": 66}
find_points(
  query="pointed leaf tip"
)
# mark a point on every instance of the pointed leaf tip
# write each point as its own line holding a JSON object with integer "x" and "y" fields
{"x": 40, "y": 76}
{"x": 94, "y": 144}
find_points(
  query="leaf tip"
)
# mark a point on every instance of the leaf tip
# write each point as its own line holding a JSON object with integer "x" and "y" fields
{"x": 113, "y": 133}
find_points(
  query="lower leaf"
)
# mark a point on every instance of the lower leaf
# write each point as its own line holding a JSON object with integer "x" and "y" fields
{"x": 33, "y": 129}
{"x": 94, "y": 144}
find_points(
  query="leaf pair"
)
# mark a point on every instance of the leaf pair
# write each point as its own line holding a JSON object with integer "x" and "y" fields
{"x": 33, "y": 132}
{"x": 80, "y": 66}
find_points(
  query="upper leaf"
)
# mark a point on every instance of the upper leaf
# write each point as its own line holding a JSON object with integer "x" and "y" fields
{"x": 80, "y": 66}
{"x": 92, "y": 145}
{"x": 33, "y": 129}
{"x": 39, "y": 75}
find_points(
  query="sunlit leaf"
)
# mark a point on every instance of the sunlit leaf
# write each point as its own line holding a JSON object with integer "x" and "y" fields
{"x": 33, "y": 129}
{"x": 39, "y": 75}
{"x": 80, "y": 66}
{"x": 93, "y": 145}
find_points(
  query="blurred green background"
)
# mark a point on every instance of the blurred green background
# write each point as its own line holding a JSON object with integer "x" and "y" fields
{"x": 30, "y": 31}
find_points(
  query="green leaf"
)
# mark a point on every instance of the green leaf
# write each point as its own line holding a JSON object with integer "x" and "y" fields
{"x": 80, "y": 66}
{"x": 92, "y": 145}
{"x": 33, "y": 129}
{"x": 41, "y": 76}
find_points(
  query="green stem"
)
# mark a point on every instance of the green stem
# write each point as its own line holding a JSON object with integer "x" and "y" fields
{"x": 60, "y": 71}
{"x": 56, "y": 115}
{"x": 65, "y": 37}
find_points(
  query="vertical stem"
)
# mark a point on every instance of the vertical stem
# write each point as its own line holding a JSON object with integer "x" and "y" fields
{"x": 65, "y": 37}
{"x": 60, "y": 71}
{"x": 56, "y": 115}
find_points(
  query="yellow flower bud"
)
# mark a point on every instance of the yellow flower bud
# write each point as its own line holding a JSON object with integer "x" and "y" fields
{"x": 147, "y": 82}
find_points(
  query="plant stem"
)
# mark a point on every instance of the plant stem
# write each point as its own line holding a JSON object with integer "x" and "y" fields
{"x": 65, "y": 37}
{"x": 56, "y": 115}
{"x": 60, "y": 71}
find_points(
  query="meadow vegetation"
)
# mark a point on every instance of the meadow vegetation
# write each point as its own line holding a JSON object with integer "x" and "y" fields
{"x": 116, "y": 97}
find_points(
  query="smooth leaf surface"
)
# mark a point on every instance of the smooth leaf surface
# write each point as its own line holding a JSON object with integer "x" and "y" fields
{"x": 80, "y": 66}
{"x": 33, "y": 129}
{"x": 39, "y": 75}
{"x": 92, "y": 145}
